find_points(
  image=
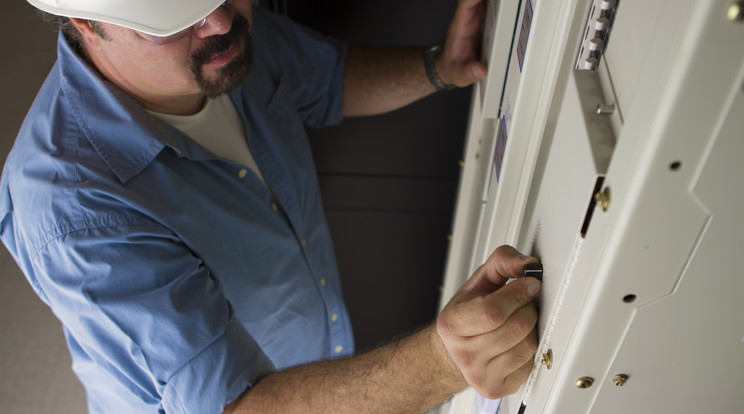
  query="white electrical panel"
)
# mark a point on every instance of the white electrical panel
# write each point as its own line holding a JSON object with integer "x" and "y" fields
{"x": 609, "y": 144}
{"x": 498, "y": 33}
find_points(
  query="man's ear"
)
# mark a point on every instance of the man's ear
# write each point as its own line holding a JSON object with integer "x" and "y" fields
{"x": 90, "y": 37}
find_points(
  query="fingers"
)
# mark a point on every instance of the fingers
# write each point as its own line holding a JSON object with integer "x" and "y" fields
{"x": 504, "y": 263}
{"x": 462, "y": 75}
{"x": 460, "y": 64}
{"x": 470, "y": 73}
{"x": 510, "y": 384}
{"x": 508, "y": 262}
{"x": 480, "y": 314}
{"x": 473, "y": 353}
{"x": 488, "y": 328}
{"x": 506, "y": 372}
{"x": 518, "y": 327}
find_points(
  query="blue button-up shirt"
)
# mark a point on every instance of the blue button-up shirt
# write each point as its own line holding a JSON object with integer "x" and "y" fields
{"x": 179, "y": 279}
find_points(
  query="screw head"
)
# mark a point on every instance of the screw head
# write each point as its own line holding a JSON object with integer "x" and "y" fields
{"x": 584, "y": 382}
{"x": 620, "y": 380}
{"x": 603, "y": 199}
{"x": 735, "y": 12}
{"x": 547, "y": 359}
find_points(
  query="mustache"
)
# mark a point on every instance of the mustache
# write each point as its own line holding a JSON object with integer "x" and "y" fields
{"x": 217, "y": 44}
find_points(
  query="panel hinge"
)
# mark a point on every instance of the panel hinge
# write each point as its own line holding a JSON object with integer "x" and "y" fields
{"x": 596, "y": 34}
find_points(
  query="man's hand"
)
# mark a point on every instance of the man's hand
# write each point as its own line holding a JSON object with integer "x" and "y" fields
{"x": 484, "y": 337}
{"x": 378, "y": 80}
{"x": 488, "y": 326}
{"x": 459, "y": 63}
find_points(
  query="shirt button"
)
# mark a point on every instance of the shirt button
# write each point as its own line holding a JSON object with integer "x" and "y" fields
{"x": 242, "y": 173}
{"x": 334, "y": 317}
{"x": 274, "y": 207}
{"x": 303, "y": 241}
{"x": 322, "y": 281}
{"x": 338, "y": 349}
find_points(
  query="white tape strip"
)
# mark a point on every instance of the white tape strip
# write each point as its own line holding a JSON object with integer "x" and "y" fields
{"x": 555, "y": 313}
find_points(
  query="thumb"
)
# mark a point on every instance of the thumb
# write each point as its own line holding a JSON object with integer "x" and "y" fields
{"x": 470, "y": 73}
{"x": 478, "y": 71}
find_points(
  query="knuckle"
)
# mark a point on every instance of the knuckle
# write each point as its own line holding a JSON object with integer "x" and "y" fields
{"x": 524, "y": 321}
{"x": 522, "y": 353}
{"x": 450, "y": 322}
{"x": 478, "y": 380}
{"x": 445, "y": 327}
{"x": 495, "y": 391}
{"x": 511, "y": 387}
{"x": 464, "y": 359}
{"x": 515, "y": 380}
{"x": 505, "y": 249}
{"x": 493, "y": 315}
{"x": 521, "y": 325}
{"x": 493, "y": 394}
{"x": 526, "y": 350}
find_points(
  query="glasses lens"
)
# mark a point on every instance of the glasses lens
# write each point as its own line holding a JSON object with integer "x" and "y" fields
{"x": 162, "y": 40}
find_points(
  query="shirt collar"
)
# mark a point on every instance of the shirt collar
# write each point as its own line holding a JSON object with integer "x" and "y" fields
{"x": 123, "y": 133}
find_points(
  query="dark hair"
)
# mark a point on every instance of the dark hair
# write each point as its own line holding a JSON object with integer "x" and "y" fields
{"x": 65, "y": 25}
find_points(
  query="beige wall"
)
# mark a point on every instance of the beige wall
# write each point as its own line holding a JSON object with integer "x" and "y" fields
{"x": 34, "y": 361}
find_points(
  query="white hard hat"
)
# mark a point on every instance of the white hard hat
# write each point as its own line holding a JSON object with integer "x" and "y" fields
{"x": 155, "y": 17}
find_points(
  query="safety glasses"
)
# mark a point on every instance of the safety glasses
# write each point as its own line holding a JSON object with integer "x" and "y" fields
{"x": 163, "y": 40}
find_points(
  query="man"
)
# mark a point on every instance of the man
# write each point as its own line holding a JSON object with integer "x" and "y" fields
{"x": 161, "y": 199}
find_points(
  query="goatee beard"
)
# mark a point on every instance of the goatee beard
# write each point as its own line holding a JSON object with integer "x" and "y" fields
{"x": 232, "y": 75}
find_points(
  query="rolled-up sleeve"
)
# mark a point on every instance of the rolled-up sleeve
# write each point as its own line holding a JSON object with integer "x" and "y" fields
{"x": 189, "y": 390}
{"x": 149, "y": 312}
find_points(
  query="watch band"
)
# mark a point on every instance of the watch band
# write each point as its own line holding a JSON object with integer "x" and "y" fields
{"x": 430, "y": 56}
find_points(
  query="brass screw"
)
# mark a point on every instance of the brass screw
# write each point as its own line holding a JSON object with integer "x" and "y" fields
{"x": 547, "y": 359}
{"x": 584, "y": 382}
{"x": 735, "y": 12}
{"x": 603, "y": 199}
{"x": 620, "y": 380}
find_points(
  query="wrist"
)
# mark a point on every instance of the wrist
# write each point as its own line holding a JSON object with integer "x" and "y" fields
{"x": 431, "y": 57}
{"x": 447, "y": 365}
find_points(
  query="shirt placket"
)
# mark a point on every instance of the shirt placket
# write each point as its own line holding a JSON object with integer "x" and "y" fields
{"x": 329, "y": 291}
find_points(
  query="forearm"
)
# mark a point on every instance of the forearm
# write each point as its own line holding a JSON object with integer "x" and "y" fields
{"x": 379, "y": 80}
{"x": 408, "y": 376}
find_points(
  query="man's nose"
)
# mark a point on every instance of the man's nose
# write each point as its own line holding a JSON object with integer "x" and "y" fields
{"x": 218, "y": 22}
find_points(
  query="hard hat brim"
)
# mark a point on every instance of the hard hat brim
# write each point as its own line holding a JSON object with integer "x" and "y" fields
{"x": 155, "y": 17}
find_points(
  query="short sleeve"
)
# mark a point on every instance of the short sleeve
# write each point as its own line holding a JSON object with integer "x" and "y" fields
{"x": 149, "y": 314}
{"x": 188, "y": 392}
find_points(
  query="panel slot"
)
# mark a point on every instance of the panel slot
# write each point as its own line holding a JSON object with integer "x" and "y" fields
{"x": 591, "y": 208}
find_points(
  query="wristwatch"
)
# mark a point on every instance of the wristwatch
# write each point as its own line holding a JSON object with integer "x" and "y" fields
{"x": 430, "y": 56}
